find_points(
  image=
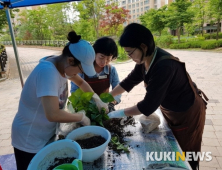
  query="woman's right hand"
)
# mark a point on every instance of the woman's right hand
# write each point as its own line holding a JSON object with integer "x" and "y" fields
{"x": 85, "y": 120}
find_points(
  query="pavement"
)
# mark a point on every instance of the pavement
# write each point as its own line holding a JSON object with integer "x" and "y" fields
{"x": 204, "y": 68}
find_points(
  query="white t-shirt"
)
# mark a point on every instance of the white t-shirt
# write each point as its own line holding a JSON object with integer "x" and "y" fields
{"x": 31, "y": 130}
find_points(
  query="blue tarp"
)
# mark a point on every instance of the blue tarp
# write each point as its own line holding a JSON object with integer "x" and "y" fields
{"x": 24, "y": 3}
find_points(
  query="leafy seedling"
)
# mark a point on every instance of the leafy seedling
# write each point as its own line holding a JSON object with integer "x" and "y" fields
{"x": 83, "y": 101}
{"x": 119, "y": 146}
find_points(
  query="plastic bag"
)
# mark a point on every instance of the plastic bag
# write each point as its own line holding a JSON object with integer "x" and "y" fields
{"x": 150, "y": 122}
{"x": 63, "y": 129}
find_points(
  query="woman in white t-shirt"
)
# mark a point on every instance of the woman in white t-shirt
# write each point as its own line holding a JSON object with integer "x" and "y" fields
{"x": 44, "y": 95}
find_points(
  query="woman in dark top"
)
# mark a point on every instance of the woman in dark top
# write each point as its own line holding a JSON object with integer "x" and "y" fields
{"x": 168, "y": 85}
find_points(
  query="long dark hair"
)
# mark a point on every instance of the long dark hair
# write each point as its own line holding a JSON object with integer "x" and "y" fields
{"x": 73, "y": 38}
{"x": 134, "y": 35}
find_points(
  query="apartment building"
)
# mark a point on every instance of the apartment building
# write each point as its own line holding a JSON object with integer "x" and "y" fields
{"x": 138, "y": 7}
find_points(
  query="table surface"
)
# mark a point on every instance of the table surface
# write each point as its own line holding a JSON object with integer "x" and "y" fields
{"x": 160, "y": 139}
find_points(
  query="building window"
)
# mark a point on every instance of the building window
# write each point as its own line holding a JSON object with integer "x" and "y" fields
{"x": 123, "y": 2}
{"x": 138, "y": 10}
{"x": 137, "y": 4}
{"x": 124, "y": 7}
{"x": 141, "y": 3}
{"x": 129, "y": 1}
{"x": 146, "y": 2}
{"x": 134, "y": 11}
{"x": 155, "y": 1}
{"x": 146, "y": 8}
{"x": 133, "y": 6}
{"x": 155, "y": 6}
{"x": 129, "y": 6}
{"x": 138, "y": 15}
{"x": 134, "y": 16}
{"x": 107, "y": 2}
{"x": 141, "y": 9}
{"x": 133, "y": 1}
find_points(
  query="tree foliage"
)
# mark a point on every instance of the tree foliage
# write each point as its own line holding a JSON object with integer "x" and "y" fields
{"x": 216, "y": 10}
{"x": 178, "y": 14}
{"x": 155, "y": 19}
{"x": 113, "y": 18}
{"x": 91, "y": 11}
{"x": 199, "y": 9}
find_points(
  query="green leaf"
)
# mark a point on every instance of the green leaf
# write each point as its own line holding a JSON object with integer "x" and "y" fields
{"x": 86, "y": 97}
{"x": 78, "y": 93}
{"x": 106, "y": 97}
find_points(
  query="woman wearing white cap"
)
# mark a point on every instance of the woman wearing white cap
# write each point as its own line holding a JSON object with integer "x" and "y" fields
{"x": 44, "y": 95}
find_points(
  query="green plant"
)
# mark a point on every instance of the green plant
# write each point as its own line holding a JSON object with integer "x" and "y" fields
{"x": 195, "y": 44}
{"x": 164, "y": 41}
{"x": 83, "y": 101}
{"x": 209, "y": 45}
{"x": 119, "y": 146}
{"x": 122, "y": 55}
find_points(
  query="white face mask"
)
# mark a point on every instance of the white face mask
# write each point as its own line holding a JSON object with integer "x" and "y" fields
{"x": 68, "y": 77}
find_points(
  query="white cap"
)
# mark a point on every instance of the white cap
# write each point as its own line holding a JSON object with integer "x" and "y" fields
{"x": 84, "y": 52}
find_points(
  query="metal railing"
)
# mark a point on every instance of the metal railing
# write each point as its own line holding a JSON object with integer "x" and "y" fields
{"x": 3, "y": 58}
{"x": 54, "y": 43}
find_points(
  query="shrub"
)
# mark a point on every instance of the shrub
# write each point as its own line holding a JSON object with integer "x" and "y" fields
{"x": 180, "y": 46}
{"x": 195, "y": 44}
{"x": 174, "y": 46}
{"x": 209, "y": 45}
{"x": 214, "y": 35}
{"x": 164, "y": 41}
{"x": 122, "y": 55}
{"x": 219, "y": 43}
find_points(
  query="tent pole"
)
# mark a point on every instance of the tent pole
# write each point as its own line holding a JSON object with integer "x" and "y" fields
{"x": 14, "y": 44}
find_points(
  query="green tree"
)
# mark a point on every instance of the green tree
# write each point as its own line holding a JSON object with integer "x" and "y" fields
{"x": 47, "y": 22}
{"x": 178, "y": 14}
{"x": 3, "y": 18}
{"x": 209, "y": 17}
{"x": 59, "y": 20}
{"x": 216, "y": 9}
{"x": 199, "y": 9}
{"x": 190, "y": 28}
{"x": 85, "y": 29}
{"x": 91, "y": 11}
{"x": 154, "y": 19}
{"x": 35, "y": 23}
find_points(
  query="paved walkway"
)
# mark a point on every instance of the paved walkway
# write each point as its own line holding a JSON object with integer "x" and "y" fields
{"x": 204, "y": 68}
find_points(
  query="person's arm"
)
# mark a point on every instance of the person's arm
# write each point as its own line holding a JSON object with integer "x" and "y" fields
{"x": 74, "y": 87}
{"x": 133, "y": 79}
{"x": 156, "y": 91}
{"x": 47, "y": 85}
{"x": 54, "y": 114}
{"x": 82, "y": 84}
{"x": 114, "y": 81}
{"x": 117, "y": 90}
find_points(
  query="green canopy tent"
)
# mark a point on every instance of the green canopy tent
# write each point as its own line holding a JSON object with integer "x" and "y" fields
{"x": 9, "y": 4}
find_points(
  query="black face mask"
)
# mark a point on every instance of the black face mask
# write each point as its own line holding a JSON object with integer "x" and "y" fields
{"x": 142, "y": 56}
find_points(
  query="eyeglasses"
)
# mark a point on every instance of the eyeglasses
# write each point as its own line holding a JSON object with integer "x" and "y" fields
{"x": 80, "y": 68}
{"x": 129, "y": 55}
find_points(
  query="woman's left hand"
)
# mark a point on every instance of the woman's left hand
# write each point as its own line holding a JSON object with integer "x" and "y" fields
{"x": 117, "y": 114}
